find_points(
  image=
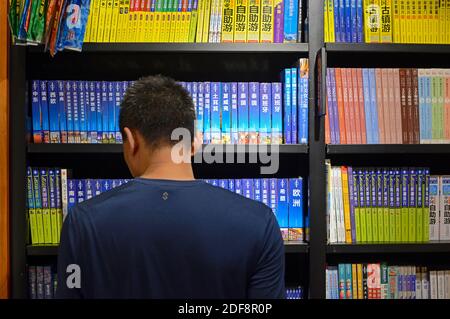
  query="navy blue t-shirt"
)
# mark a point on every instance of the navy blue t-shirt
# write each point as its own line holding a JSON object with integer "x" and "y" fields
{"x": 171, "y": 239}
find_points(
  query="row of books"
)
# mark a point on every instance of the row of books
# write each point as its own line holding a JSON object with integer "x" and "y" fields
{"x": 228, "y": 113}
{"x": 387, "y": 106}
{"x": 201, "y": 21}
{"x": 387, "y": 21}
{"x": 42, "y": 282}
{"x": 58, "y": 24}
{"x": 382, "y": 281}
{"x": 285, "y": 196}
{"x": 294, "y": 293}
{"x": 380, "y": 205}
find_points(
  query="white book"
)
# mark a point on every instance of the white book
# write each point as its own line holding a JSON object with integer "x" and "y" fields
{"x": 433, "y": 285}
{"x": 211, "y": 21}
{"x": 425, "y": 284}
{"x": 219, "y": 22}
{"x": 336, "y": 283}
{"x": 331, "y": 212}
{"x": 447, "y": 284}
{"x": 341, "y": 225}
{"x": 444, "y": 218}
{"x": 441, "y": 284}
{"x": 336, "y": 202}
{"x": 434, "y": 207}
{"x": 419, "y": 283}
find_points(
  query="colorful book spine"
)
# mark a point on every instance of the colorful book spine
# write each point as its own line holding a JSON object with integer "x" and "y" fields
{"x": 243, "y": 113}
{"x": 303, "y": 101}
{"x": 295, "y": 221}
{"x": 43, "y": 101}
{"x": 240, "y": 26}
{"x": 267, "y": 21}
{"x": 278, "y": 28}
{"x": 253, "y": 24}
{"x": 207, "y": 113}
{"x": 290, "y": 21}
{"x": 283, "y": 207}
{"x": 444, "y": 211}
{"x": 294, "y": 105}
{"x": 265, "y": 113}
{"x": 254, "y": 109}
{"x": 53, "y": 112}
{"x": 287, "y": 106}
{"x": 215, "y": 113}
{"x": 46, "y": 218}
{"x": 234, "y": 113}
{"x": 226, "y": 113}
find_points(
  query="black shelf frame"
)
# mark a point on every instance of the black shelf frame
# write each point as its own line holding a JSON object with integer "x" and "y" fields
{"x": 387, "y": 48}
{"x": 394, "y": 248}
{"x": 394, "y": 149}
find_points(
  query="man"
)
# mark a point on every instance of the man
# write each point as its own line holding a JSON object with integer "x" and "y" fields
{"x": 165, "y": 234}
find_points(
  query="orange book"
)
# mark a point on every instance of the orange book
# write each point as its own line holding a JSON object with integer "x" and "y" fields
{"x": 397, "y": 105}
{"x": 327, "y": 124}
{"x": 347, "y": 113}
{"x": 388, "y": 125}
{"x": 391, "y": 103}
{"x": 340, "y": 102}
{"x": 362, "y": 114}
{"x": 354, "y": 90}
{"x": 380, "y": 107}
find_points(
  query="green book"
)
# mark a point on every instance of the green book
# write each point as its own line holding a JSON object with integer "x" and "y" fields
{"x": 392, "y": 211}
{"x": 357, "y": 200}
{"x": 374, "y": 204}
{"x": 46, "y": 206}
{"x": 419, "y": 206}
{"x": 362, "y": 203}
{"x": 405, "y": 204}
{"x": 386, "y": 223}
{"x": 412, "y": 209}
{"x": 38, "y": 206}
{"x": 368, "y": 213}
{"x": 193, "y": 22}
{"x": 380, "y": 209}
{"x": 426, "y": 207}
{"x": 31, "y": 208}
{"x": 398, "y": 210}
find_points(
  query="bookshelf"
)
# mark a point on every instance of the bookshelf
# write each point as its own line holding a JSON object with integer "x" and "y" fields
{"x": 230, "y": 62}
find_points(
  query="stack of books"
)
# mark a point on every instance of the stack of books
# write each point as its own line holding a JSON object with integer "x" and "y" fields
{"x": 42, "y": 282}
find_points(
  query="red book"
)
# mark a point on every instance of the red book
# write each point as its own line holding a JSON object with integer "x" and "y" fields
{"x": 184, "y": 5}
{"x": 380, "y": 106}
{"x": 415, "y": 106}
{"x": 327, "y": 124}
{"x": 340, "y": 102}
{"x": 409, "y": 106}
{"x": 404, "y": 106}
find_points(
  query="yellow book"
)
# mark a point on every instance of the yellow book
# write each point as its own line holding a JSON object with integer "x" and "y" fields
{"x": 228, "y": 20}
{"x": 403, "y": 26}
{"x": 396, "y": 19}
{"x": 427, "y": 5}
{"x": 346, "y": 202}
{"x": 166, "y": 22}
{"x": 199, "y": 31}
{"x": 123, "y": 20}
{"x": 240, "y": 26}
{"x": 114, "y": 21}
{"x": 267, "y": 23}
{"x": 386, "y": 21}
{"x": 180, "y": 26}
{"x": 162, "y": 27}
{"x": 325, "y": 21}
{"x": 360, "y": 279}
{"x": 54, "y": 223}
{"x": 206, "y": 19}
{"x": 419, "y": 21}
{"x": 33, "y": 226}
{"x": 408, "y": 20}
{"x": 414, "y": 18}
{"x": 447, "y": 18}
{"x": 118, "y": 34}
{"x": 331, "y": 31}
{"x": 149, "y": 28}
{"x": 101, "y": 20}
{"x": 156, "y": 27}
{"x": 40, "y": 225}
{"x": 108, "y": 18}
{"x": 254, "y": 15}
{"x": 372, "y": 21}
{"x": 436, "y": 21}
{"x": 354, "y": 282}
{"x": 186, "y": 30}
{"x": 94, "y": 17}
{"x": 174, "y": 27}
{"x": 442, "y": 27}
{"x": 212, "y": 20}
{"x": 87, "y": 34}
{"x": 140, "y": 35}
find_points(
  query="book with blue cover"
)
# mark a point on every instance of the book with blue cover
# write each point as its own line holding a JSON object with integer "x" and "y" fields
{"x": 72, "y": 193}
{"x": 231, "y": 186}
{"x": 248, "y": 188}
{"x": 104, "y": 111}
{"x": 257, "y": 189}
{"x": 98, "y": 106}
{"x": 83, "y": 112}
{"x": 106, "y": 185}
{"x": 303, "y": 101}
{"x": 111, "y": 113}
{"x": 81, "y": 190}
{"x": 283, "y": 207}
{"x": 223, "y": 183}
{"x": 234, "y": 113}
{"x": 265, "y": 113}
{"x": 207, "y": 113}
{"x": 277, "y": 113}
{"x": 92, "y": 114}
{"x": 216, "y": 95}
{"x": 53, "y": 112}
{"x": 337, "y": 22}
{"x": 290, "y": 21}
{"x": 273, "y": 200}
{"x": 62, "y": 111}
{"x": 254, "y": 109}
{"x": 118, "y": 96}
{"x": 296, "y": 218}
{"x": 287, "y": 107}
{"x": 294, "y": 105}
{"x": 243, "y": 113}
{"x": 238, "y": 189}
{"x": 38, "y": 136}
{"x": 348, "y": 21}
{"x": 226, "y": 113}
{"x": 43, "y": 101}
{"x": 201, "y": 109}
{"x": 76, "y": 112}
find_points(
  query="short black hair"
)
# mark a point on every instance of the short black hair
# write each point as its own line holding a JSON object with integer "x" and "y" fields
{"x": 155, "y": 106}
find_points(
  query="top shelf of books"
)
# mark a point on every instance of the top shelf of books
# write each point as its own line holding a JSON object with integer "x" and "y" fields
{"x": 190, "y": 47}
{"x": 387, "y": 48}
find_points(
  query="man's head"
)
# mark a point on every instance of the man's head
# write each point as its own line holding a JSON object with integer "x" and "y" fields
{"x": 153, "y": 107}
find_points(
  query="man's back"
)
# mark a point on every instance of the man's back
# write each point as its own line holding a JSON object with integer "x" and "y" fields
{"x": 172, "y": 239}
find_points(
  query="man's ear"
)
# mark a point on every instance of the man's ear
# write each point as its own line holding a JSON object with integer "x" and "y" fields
{"x": 131, "y": 139}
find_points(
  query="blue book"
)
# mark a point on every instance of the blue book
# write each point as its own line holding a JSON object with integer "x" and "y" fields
{"x": 287, "y": 107}
{"x": 342, "y": 281}
{"x": 243, "y": 115}
{"x": 194, "y": 95}
{"x": 273, "y": 195}
{"x": 104, "y": 110}
{"x": 283, "y": 207}
{"x": 53, "y": 112}
{"x": 62, "y": 111}
{"x": 83, "y": 112}
{"x": 124, "y": 89}
{"x": 117, "y": 101}
{"x": 290, "y": 21}
{"x": 303, "y": 100}
{"x": 216, "y": 94}
{"x": 89, "y": 189}
{"x": 86, "y": 108}
{"x": 248, "y": 188}
{"x": 238, "y": 186}
{"x": 98, "y": 106}
{"x": 348, "y": 281}
{"x": 422, "y": 125}
{"x": 111, "y": 113}
{"x": 72, "y": 193}
{"x": 207, "y": 113}
{"x": 76, "y": 112}
{"x": 294, "y": 107}
{"x": 43, "y": 101}
{"x": 253, "y": 121}
{"x": 337, "y": 23}
{"x": 342, "y": 20}
{"x": 38, "y": 135}
{"x": 106, "y": 185}
{"x": 200, "y": 108}
{"x": 265, "y": 113}
{"x": 69, "y": 112}
{"x": 234, "y": 113}
{"x": 81, "y": 195}
{"x": 295, "y": 199}
{"x": 226, "y": 113}
{"x": 215, "y": 182}
{"x": 97, "y": 187}
{"x": 373, "y": 106}
{"x": 359, "y": 21}
{"x": 223, "y": 183}
{"x": 231, "y": 187}
{"x": 348, "y": 21}
{"x": 354, "y": 23}
{"x": 265, "y": 191}
{"x": 92, "y": 123}
{"x": 257, "y": 189}
{"x": 367, "y": 107}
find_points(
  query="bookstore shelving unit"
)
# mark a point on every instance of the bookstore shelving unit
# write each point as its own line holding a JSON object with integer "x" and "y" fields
{"x": 305, "y": 263}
